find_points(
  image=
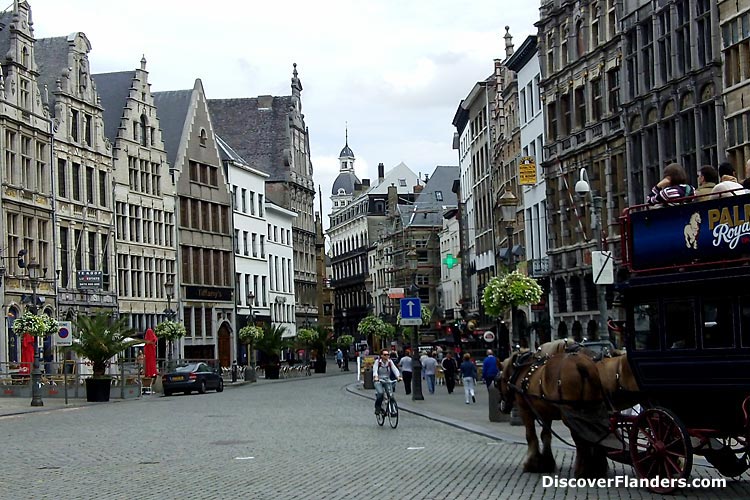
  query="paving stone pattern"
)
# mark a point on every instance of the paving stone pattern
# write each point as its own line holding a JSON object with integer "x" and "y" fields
{"x": 302, "y": 438}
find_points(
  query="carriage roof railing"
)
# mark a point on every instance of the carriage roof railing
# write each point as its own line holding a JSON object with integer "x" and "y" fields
{"x": 688, "y": 234}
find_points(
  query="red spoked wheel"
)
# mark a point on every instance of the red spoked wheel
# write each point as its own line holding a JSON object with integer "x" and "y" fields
{"x": 660, "y": 447}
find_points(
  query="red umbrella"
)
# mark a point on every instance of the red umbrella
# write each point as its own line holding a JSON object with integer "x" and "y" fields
{"x": 149, "y": 354}
{"x": 27, "y": 353}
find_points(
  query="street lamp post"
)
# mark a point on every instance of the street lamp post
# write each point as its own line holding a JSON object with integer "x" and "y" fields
{"x": 36, "y": 374}
{"x": 250, "y": 320}
{"x": 170, "y": 314}
{"x": 345, "y": 331}
{"x": 416, "y": 364}
{"x": 508, "y": 205}
{"x": 583, "y": 188}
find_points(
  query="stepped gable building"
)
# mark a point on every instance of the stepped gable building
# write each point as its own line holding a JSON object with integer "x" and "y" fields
{"x": 580, "y": 56}
{"x": 204, "y": 225}
{"x": 270, "y": 133}
{"x": 144, "y": 192}
{"x": 26, "y": 197}
{"x": 671, "y": 92}
{"x": 83, "y": 179}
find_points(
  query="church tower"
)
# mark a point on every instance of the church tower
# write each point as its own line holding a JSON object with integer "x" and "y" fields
{"x": 342, "y": 192}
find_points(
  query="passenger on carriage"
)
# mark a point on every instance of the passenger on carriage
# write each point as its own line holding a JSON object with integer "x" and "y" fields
{"x": 708, "y": 177}
{"x": 672, "y": 187}
{"x": 728, "y": 182}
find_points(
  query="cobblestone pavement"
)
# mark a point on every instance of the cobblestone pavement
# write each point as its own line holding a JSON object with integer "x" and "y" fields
{"x": 310, "y": 437}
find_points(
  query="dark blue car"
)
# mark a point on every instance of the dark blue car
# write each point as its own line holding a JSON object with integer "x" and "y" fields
{"x": 192, "y": 377}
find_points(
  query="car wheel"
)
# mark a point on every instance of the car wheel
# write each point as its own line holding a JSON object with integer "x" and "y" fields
{"x": 187, "y": 393}
{"x": 221, "y": 386}
{"x": 167, "y": 392}
{"x": 202, "y": 388}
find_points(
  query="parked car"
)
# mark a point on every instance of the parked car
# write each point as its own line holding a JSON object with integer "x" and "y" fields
{"x": 192, "y": 377}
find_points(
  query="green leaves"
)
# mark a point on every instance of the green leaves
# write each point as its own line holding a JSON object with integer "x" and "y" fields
{"x": 345, "y": 341}
{"x": 100, "y": 337}
{"x": 372, "y": 325}
{"x": 170, "y": 330}
{"x": 307, "y": 335}
{"x": 38, "y": 325}
{"x": 513, "y": 289}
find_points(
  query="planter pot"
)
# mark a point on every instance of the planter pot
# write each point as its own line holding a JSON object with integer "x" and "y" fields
{"x": 97, "y": 389}
{"x": 320, "y": 366}
{"x": 272, "y": 371}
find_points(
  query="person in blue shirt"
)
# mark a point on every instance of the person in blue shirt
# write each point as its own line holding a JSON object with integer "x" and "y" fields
{"x": 489, "y": 368}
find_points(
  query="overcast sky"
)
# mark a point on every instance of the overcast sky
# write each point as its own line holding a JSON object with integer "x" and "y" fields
{"x": 395, "y": 70}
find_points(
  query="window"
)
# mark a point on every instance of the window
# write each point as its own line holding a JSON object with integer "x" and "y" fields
{"x": 631, "y": 61}
{"x": 76, "y": 179}
{"x": 89, "y": 185}
{"x": 402, "y": 182}
{"x": 682, "y": 31}
{"x": 665, "y": 45}
{"x": 103, "y": 188}
{"x": 26, "y": 179}
{"x": 552, "y": 121}
{"x": 703, "y": 24}
{"x": 613, "y": 89}
{"x": 244, "y": 200}
{"x": 646, "y": 326}
{"x": 74, "y": 126}
{"x": 567, "y": 122}
{"x": 647, "y": 54}
{"x": 61, "y": 178}
{"x": 580, "y": 96}
{"x": 260, "y": 205}
{"x": 24, "y": 93}
{"x": 680, "y": 324}
{"x": 143, "y": 132}
{"x": 252, "y": 202}
{"x": 11, "y": 174}
{"x": 87, "y": 130}
{"x": 438, "y": 196}
{"x": 596, "y": 99}
{"x": 717, "y": 323}
{"x": 203, "y": 138}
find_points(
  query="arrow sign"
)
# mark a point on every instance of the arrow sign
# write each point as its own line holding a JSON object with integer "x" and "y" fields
{"x": 411, "y": 311}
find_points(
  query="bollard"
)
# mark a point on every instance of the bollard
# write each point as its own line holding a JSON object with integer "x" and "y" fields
{"x": 250, "y": 375}
{"x": 234, "y": 372}
{"x": 369, "y": 384}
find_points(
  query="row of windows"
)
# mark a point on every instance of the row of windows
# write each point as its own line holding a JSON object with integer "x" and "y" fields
{"x": 29, "y": 233}
{"x": 206, "y": 266}
{"x": 243, "y": 247}
{"x": 82, "y": 183}
{"x": 274, "y": 232}
{"x": 571, "y": 110}
{"x": 143, "y": 277}
{"x": 203, "y": 174}
{"x": 280, "y": 273}
{"x": 83, "y": 251}
{"x": 350, "y": 244}
{"x": 528, "y": 101}
{"x": 251, "y": 286}
{"x": 136, "y": 224}
{"x": 144, "y": 176}
{"x": 29, "y": 168}
{"x": 244, "y": 202}
{"x": 204, "y": 215}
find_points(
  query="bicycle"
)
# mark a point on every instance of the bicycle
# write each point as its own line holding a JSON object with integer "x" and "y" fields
{"x": 388, "y": 408}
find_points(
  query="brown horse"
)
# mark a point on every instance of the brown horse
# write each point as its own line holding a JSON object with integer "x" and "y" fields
{"x": 618, "y": 383}
{"x": 559, "y": 387}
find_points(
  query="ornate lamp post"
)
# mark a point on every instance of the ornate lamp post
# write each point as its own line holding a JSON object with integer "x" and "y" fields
{"x": 170, "y": 314}
{"x": 36, "y": 374}
{"x": 583, "y": 188}
{"x": 508, "y": 206}
{"x": 416, "y": 364}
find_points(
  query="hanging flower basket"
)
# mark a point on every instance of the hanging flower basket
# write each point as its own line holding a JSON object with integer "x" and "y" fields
{"x": 170, "y": 330}
{"x": 513, "y": 289}
{"x": 250, "y": 334}
{"x": 345, "y": 341}
{"x": 307, "y": 335}
{"x": 38, "y": 325}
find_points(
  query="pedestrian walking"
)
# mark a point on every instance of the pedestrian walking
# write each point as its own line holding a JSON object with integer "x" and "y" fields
{"x": 429, "y": 367}
{"x": 469, "y": 376}
{"x": 450, "y": 370}
{"x": 339, "y": 358}
{"x": 406, "y": 370}
{"x": 489, "y": 368}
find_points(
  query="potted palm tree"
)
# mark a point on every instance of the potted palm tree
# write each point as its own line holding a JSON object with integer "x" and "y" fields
{"x": 320, "y": 342}
{"x": 99, "y": 338}
{"x": 271, "y": 344}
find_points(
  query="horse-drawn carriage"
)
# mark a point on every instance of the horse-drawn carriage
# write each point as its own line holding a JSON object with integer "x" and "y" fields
{"x": 686, "y": 376}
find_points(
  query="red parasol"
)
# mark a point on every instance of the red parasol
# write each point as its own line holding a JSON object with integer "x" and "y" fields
{"x": 149, "y": 354}
{"x": 27, "y": 353}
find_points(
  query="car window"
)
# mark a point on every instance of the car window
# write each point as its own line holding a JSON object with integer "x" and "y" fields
{"x": 187, "y": 368}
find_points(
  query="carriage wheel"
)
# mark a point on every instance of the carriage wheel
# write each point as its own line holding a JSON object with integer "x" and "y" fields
{"x": 660, "y": 446}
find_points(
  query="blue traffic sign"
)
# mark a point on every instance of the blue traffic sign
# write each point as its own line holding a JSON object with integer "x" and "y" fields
{"x": 411, "y": 308}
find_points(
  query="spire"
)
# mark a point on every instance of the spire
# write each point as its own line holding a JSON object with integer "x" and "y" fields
{"x": 143, "y": 62}
{"x": 508, "y": 42}
{"x": 346, "y": 134}
{"x": 296, "y": 89}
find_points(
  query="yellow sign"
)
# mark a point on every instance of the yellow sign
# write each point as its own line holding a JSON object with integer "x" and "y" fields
{"x": 527, "y": 171}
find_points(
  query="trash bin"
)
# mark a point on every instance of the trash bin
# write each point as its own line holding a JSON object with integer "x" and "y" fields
{"x": 369, "y": 384}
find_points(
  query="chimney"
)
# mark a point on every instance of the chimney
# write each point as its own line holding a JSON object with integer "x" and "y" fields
{"x": 508, "y": 42}
{"x": 265, "y": 102}
{"x": 365, "y": 183}
{"x": 392, "y": 198}
{"x": 381, "y": 172}
{"x": 418, "y": 188}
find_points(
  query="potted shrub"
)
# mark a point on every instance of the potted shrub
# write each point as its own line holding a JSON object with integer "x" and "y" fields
{"x": 271, "y": 344}
{"x": 320, "y": 343}
{"x": 345, "y": 342}
{"x": 99, "y": 338}
{"x": 305, "y": 338}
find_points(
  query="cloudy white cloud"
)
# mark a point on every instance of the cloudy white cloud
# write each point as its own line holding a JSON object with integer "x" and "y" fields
{"x": 395, "y": 70}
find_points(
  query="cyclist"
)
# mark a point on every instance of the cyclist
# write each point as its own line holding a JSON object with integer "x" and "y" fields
{"x": 381, "y": 377}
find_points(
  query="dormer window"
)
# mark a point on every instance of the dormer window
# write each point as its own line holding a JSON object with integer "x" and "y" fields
{"x": 25, "y": 57}
{"x": 438, "y": 196}
{"x": 402, "y": 182}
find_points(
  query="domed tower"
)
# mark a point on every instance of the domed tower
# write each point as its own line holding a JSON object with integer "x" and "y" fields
{"x": 342, "y": 191}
